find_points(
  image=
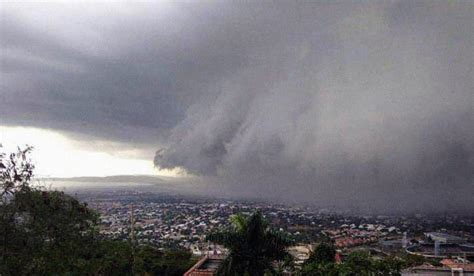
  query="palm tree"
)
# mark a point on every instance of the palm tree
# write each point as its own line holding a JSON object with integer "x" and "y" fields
{"x": 253, "y": 246}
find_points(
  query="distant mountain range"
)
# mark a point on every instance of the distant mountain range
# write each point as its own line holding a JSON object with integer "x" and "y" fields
{"x": 115, "y": 178}
{"x": 161, "y": 184}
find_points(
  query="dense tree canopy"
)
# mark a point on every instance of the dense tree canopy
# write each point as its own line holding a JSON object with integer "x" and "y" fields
{"x": 323, "y": 253}
{"x": 356, "y": 263}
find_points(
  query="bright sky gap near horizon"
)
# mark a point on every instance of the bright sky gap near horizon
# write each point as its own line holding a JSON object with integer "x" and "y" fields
{"x": 349, "y": 104}
{"x": 55, "y": 155}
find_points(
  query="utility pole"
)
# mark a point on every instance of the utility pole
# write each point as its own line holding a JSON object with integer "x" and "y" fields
{"x": 464, "y": 259}
{"x": 132, "y": 226}
{"x": 132, "y": 236}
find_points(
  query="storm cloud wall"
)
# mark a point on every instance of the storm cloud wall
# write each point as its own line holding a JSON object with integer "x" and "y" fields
{"x": 372, "y": 110}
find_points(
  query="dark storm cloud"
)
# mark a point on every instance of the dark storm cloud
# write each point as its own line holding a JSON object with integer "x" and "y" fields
{"x": 128, "y": 73}
{"x": 364, "y": 106}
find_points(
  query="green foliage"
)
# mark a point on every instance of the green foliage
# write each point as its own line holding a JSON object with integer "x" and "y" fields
{"x": 151, "y": 261}
{"x": 356, "y": 263}
{"x": 412, "y": 260}
{"x": 253, "y": 245}
{"x": 324, "y": 253}
{"x": 388, "y": 266}
{"x": 320, "y": 269}
{"x": 110, "y": 258}
{"x": 284, "y": 266}
{"x": 321, "y": 261}
{"x": 42, "y": 227}
{"x": 16, "y": 170}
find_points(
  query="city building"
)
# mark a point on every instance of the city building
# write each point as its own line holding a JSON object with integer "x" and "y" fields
{"x": 444, "y": 238}
{"x": 430, "y": 270}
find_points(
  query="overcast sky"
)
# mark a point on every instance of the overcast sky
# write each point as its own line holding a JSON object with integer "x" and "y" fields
{"x": 366, "y": 105}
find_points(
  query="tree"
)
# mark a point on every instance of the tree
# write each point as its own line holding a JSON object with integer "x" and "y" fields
{"x": 388, "y": 266}
{"x": 60, "y": 230}
{"x": 16, "y": 171}
{"x": 361, "y": 263}
{"x": 323, "y": 253}
{"x": 151, "y": 261}
{"x": 320, "y": 269}
{"x": 42, "y": 232}
{"x": 109, "y": 258}
{"x": 358, "y": 263}
{"x": 321, "y": 261}
{"x": 253, "y": 246}
{"x": 412, "y": 260}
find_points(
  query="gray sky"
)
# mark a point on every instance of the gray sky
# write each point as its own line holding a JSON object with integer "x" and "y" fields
{"x": 349, "y": 105}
